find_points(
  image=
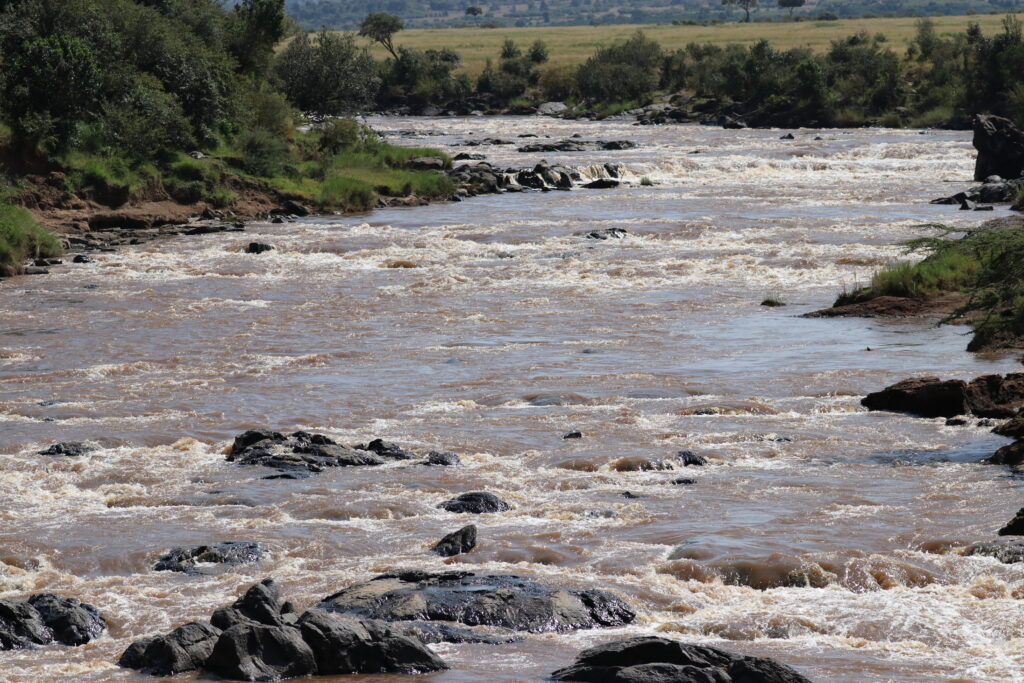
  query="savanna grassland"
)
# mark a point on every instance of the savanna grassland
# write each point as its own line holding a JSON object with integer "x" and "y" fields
{"x": 573, "y": 45}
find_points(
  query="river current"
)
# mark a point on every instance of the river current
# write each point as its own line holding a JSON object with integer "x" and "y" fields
{"x": 819, "y": 534}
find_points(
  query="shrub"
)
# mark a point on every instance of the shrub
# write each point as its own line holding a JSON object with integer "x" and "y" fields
{"x": 621, "y": 72}
{"x": 336, "y": 135}
{"x": 328, "y": 76}
{"x": 557, "y": 83}
{"x": 263, "y": 154}
{"x": 22, "y": 238}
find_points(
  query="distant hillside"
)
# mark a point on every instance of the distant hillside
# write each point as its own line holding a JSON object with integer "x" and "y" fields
{"x": 346, "y": 14}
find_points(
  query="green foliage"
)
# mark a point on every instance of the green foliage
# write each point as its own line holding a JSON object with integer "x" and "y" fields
{"x": 381, "y": 27}
{"x": 21, "y": 238}
{"x": 263, "y": 154}
{"x": 327, "y": 76}
{"x": 423, "y": 77}
{"x": 628, "y": 71}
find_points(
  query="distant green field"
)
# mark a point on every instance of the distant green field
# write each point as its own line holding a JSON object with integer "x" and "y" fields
{"x": 573, "y": 44}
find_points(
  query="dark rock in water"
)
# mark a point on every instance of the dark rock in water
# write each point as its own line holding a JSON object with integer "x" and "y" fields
{"x": 684, "y": 481}
{"x": 956, "y": 422}
{"x": 228, "y": 553}
{"x": 477, "y": 502}
{"x": 788, "y": 136}
{"x": 261, "y": 604}
{"x": 72, "y": 621}
{"x": 1013, "y": 428}
{"x": 1012, "y": 455}
{"x": 293, "y": 208}
{"x": 465, "y": 156}
{"x": 457, "y": 542}
{"x": 1006, "y": 550}
{"x": 691, "y": 459}
{"x": 576, "y": 146}
{"x": 1015, "y": 527}
{"x": 277, "y": 220}
{"x": 602, "y": 184}
{"x": 1000, "y": 146}
{"x": 879, "y": 307}
{"x": 343, "y": 645}
{"x": 440, "y": 632}
{"x": 261, "y": 653}
{"x": 300, "y": 451}
{"x": 258, "y": 248}
{"x": 508, "y": 601}
{"x": 386, "y": 449}
{"x": 958, "y": 198}
{"x": 186, "y": 648}
{"x": 606, "y": 233}
{"x": 81, "y": 258}
{"x": 659, "y": 660}
{"x": 442, "y": 459}
{"x": 573, "y": 435}
{"x": 924, "y": 396}
{"x": 731, "y": 122}
{"x": 629, "y": 495}
{"x": 996, "y": 395}
{"x": 70, "y": 449}
{"x": 21, "y": 626}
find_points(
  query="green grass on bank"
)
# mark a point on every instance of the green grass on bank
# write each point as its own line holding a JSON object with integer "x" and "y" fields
{"x": 985, "y": 264}
{"x": 21, "y": 238}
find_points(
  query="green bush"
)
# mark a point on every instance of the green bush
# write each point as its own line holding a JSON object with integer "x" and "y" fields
{"x": 22, "y": 238}
{"x": 263, "y": 154}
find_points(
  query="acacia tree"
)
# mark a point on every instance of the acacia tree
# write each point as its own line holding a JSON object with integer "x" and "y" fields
{"x": 381, "y": 27}
{"x": 745, "y": 5}
{"x": 792, "y": 5}
{"x": 473, "y": 11}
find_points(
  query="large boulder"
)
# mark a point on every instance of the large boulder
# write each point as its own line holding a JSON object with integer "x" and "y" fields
{"x": 1006, "y": 550}
{"x": 343, "y": 645}
{"x": 70, "y": 449}
{"x": 1015, "y": 527}
{"x": 226, "y": 553}
{"x": 249, "y": 652}
{"x": 475, "y": 502}
{"x": 1011, "y": 455}
{"x": 260, "y": 605}
{"x": 72, "y": 621}
{"x": 924, "y": 396}
{"x": 457, "y": 542}
{"x": 21, "y": 626}
{"x": 1000, "y": 146}
{"x": 186, "y": 648}
{"x": 660, "y": 660}
{"x": 996, "y": 395}
{"x": 507, "y": 601}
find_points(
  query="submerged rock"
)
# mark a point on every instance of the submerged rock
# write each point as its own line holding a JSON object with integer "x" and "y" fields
{"x": 261, "y": 638}
{"x": 45, "y": 619}
{"x": 476, "y": 502}
{"x": 298, "y": 451}
{"x": 442, "y": 459}
{"x": 508, "y": 601}
{"x": 606, "y": 233}
{"x": 1006, "y": 550}
{"x": 602, "y": 184}
{"x": 227, "y": 553}
{"x": 457, "y": 542}
{"x": 691, "y": 459}
{"x": 258, "y": 247}
{"x": 924, "y": 396}
{"x": 70, "y": 449}
{"x": 660, "y": 660}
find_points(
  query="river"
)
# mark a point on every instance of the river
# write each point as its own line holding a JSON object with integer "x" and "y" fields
{"x": 819, "y": 534}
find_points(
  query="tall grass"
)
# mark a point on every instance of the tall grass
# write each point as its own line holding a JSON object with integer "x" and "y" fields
{"x": 21, "y": 238}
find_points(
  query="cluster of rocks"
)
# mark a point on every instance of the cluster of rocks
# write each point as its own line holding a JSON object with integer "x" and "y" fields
{"x": 993, "y": 396}
{"x": 999, "y": 165}
{"x": 995, "y": 190}
{"x": 46, "y": 619}
{"x": 660, "y": 660}
{"x": 227, "y": 553}
{"x": 577, "y": 146}
{"x": 262, "y": 638}
{"x": 483, "y": 178}
{"x": 303, "y": 453}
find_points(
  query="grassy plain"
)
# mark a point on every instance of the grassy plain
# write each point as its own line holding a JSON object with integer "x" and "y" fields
{"x": 570, "y": 45}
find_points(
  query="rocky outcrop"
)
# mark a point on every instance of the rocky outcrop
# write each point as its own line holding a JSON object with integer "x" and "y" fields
{"x": 1000, "y": 146}
{"x": 1015, "y": 527}
{"x": 70, "y": 449}
{"x": 996, "y": 396}
{"x": 229, "y": 553}
{"x": 476, "y": 503}
{"x": 660, "y": 660}
{"x": 924, "y": 396}
{"x": 603, "y": 234}
{"x": 44, "y": 619}
{"x": 457, "y": 542}
{"x": 877, "y": 307}
{"x": 1011, "y": 455}
{"x": 508, "y": 601}
{"x": 303, "y": 452}
{"x": 261, "y": 638}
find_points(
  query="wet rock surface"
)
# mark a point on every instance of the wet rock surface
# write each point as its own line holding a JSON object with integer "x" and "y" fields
{"x": 507, "y": 601}
{"x": 1000, "y": 146}
{"x": 262, "y": 638}
{"x": 303, "y": 453}
{"x": 659, "y": 660}
{"x": 46, "y": 618}
{"x": 923, "y": 396}
{"x": 1006, "y": 550}
{"x": 878, "y": 307}
{"x": 577, "y": 146}
{"x": 226, "y": 553}
{"x": 70, "y": 449}
{"x": 457, "y": 542}
{"x": 476, "y": 503}
{"x": 1015, "y": 527}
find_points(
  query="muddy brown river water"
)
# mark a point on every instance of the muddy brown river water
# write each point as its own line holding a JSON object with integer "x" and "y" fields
{"x": 819, "y": 534}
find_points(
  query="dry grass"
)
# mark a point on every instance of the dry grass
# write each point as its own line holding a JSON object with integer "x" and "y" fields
{"x": 573, "y": 44}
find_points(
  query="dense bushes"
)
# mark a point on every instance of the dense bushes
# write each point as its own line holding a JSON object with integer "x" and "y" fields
{"x": 22, "y": 238}
{"x": 327, "y": 75}
{"x": 621, "y": 72}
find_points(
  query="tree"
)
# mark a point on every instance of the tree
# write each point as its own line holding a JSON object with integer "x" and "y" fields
{"x": 330, "y": 76}
{"x": 381, "y": 27}
{"x": 259, "y": 26}
{"x": 791, "y": 4}
{"x": 473, "y": 11}
{"x": 745, "y": 5}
